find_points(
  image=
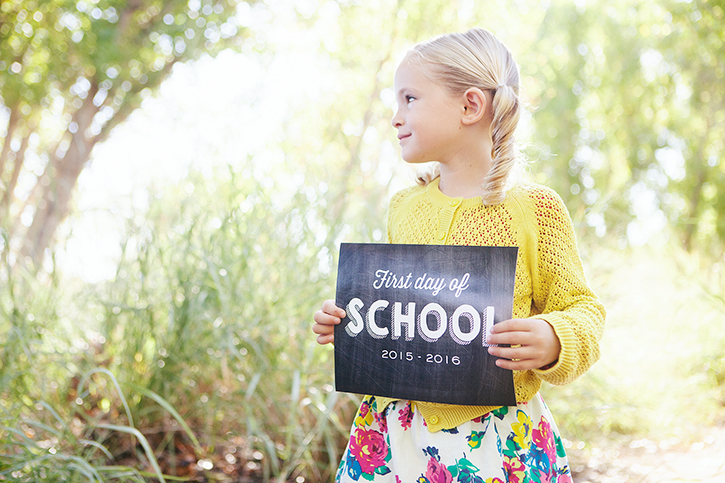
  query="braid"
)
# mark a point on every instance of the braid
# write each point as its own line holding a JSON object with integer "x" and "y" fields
{"x": 506, "y": 115}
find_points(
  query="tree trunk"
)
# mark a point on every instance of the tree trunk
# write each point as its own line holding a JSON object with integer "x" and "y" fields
{"x": 59, "y": 180}
{"x": 17, "y": 167}
{"x": 12, "y": 124}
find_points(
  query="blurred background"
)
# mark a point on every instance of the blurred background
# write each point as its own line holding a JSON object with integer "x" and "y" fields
{"x": 176, "y": 177}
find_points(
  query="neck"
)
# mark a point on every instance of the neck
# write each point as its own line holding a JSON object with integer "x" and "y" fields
{"x": 463, "y": 177}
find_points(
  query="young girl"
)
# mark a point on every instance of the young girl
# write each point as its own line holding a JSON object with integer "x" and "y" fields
{"x": 458, "y": 104}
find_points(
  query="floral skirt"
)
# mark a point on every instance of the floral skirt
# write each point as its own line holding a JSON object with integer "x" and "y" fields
{"x": 511, "y": 444}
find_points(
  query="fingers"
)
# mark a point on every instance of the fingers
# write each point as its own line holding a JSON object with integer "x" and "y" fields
{"x": 513, "y": 325}
{"x": 326, "y": 339}
{"x": 534, "y": 342}
{"x": 325, "y": 321}
{"x": 329, "y": 307}
{"x": 329, "y": 315}
{"x": 517, "y": 359}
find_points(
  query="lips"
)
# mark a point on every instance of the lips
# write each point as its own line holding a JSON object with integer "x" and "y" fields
{"x": 403, "y": 136}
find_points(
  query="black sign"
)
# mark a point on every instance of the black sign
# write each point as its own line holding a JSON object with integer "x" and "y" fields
{"x": 417, "y": 322}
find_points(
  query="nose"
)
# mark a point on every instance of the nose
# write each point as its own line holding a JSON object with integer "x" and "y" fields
{"x": 397, "y": 120}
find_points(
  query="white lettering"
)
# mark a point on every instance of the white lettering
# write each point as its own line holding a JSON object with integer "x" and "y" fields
{"x": 356, "y": 322}
{"x": 474, "y": 319}
{"x": 405, "y": 324}
{"x": 441, "y": 321}
{"x": 459, "y": 287}
{"x": 380, "y": 275}
{"x": 419, "y": 282}
{"x": 387, "y": 279}
{"x": 488, "y": 324}
{"x": 407, "y": 319}
{"x": 375, "y": 331}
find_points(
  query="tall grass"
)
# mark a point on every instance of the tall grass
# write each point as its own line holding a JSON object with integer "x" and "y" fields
{"x": 211, "y": 307}
{"x": 47, "y": 432}
{"x": 197, "y": 358}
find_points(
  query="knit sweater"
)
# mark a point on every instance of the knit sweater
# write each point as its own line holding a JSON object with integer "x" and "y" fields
{"x": 550, "y": 282}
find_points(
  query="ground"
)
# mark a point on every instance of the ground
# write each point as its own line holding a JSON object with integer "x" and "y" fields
{"x": 644, "y": 461}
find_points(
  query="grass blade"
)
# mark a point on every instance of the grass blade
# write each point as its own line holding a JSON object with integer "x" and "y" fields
{"x": 165, "y": 404}
{"x": 141, "y": 439}
{"x": 115, "y": 383}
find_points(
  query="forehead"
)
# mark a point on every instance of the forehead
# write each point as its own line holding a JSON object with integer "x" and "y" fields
{"x": 412, "y": 72}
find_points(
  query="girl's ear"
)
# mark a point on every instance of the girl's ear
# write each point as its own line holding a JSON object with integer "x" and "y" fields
{"x": 474, "y": 105}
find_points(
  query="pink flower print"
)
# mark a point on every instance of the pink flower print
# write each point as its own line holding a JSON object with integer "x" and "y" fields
{"x": 565, "y": 478}
{"x": 382, "y": 421}
{"x": 544, "y": 439}
{"x": 546, "y": 477}
{"x": 369, "y": 449}
{"x": 437, "y": 472}
{"x": 515, "y": 469}
{"x": 406, "y": 416}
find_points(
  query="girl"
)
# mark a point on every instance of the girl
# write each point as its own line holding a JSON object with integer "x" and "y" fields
{"x": 458, "y": 104}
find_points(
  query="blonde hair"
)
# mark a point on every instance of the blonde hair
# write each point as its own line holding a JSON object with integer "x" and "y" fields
{"x": 478, "y": 59}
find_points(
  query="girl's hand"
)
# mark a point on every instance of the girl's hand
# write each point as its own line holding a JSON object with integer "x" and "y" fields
{"x": 538, "y": 344}
{"x": 325, "y": 321}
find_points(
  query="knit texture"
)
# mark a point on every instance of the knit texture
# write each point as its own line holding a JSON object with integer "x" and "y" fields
{"x": 550, "y": 282}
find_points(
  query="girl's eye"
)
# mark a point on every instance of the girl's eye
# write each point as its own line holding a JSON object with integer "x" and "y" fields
{"x": 409, "y": 99}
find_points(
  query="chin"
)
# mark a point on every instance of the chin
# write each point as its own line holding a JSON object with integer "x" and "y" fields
{"x": 411, "y": 158}
{"x": 415, "y": 160}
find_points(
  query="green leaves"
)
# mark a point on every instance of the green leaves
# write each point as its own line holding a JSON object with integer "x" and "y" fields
{"x": 73, "y": 70}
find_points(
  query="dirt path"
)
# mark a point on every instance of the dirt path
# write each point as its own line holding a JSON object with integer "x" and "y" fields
{"x": 644, "y": 461}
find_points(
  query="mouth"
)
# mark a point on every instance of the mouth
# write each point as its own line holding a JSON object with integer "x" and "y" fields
{"x": 403, "y": 136}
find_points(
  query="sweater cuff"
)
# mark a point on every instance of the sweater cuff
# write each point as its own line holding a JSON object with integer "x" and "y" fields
{"x": 562, "y": 371}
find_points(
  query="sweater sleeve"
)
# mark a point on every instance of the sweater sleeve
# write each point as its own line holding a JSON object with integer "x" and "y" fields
{"x": 561, "y": 295}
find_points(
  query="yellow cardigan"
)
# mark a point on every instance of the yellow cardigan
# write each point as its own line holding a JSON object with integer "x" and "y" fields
{"x": 550, "y": 282}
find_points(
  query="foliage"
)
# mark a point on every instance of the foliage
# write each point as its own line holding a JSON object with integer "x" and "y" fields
{"x": 628, "y": 98}
{"x": 228, "y": 280}
{"x": 206, "y": 319}
{"x": 46, "y": 434}
{"x": 69, "y": 73}
{"x": 628, "y": 101}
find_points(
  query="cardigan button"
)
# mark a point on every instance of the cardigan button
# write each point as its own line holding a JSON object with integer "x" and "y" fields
{"x": 453, "y": 202}
{"x": 434, "y": 420}
{"x": 441, "y": 235}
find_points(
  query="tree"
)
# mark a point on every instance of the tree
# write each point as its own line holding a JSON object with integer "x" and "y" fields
{"x": 69, "y": 73}
{"x": 630, "y": 107}
{"x": 695, "y": 46}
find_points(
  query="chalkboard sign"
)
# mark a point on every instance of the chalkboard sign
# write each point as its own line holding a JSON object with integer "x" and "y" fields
{"x": 417, "y": 322}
